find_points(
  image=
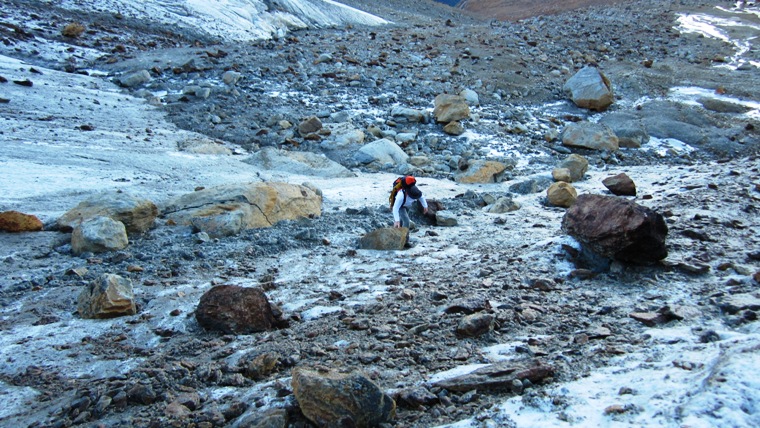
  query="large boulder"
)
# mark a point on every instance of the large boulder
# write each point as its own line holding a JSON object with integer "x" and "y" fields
{"x": 481, "y": 171}
{"x": 589, "y": 88}
{"x": 331, "y": 399}
{"x": 385, "y": 239}
{"x": 450, "y": 108}
{"x": 381, "y": 151}
{"x": 232, "y": 309}
{"x": 137, "y": 214}
{"x": 588, "y": 135}
{"x": 616, "y": 228}
{"x": 110, "y": 296}
{"x": 299, "y": 163}
{"x": 98, "y": 235}
{"x": 228, "y": 209}
{"x": 14, "y": 221}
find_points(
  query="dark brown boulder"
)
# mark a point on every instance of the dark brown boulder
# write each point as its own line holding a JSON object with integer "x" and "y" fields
{"x": 620, "y": 185}
{"x": 237, "y": 310}
{"x": 331, "y": 399}
{"x": 617, "y": 228}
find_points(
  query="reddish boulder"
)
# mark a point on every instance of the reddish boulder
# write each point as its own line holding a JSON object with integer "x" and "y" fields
{"x": 238, "y": 310}
{"x": 620, "y": 185}
{"x": 617, "y": 228}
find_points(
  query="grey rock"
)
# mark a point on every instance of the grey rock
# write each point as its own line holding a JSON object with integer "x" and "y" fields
{"x": 588, "y": 135}
{"x": 99, "y": 234}
{"x": 590, "y": 89}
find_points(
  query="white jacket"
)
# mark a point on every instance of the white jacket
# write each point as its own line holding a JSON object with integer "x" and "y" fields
{"x": 405, "y": 202}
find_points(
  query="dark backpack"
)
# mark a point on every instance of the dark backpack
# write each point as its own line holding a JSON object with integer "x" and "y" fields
{"x": 401, "y": 183}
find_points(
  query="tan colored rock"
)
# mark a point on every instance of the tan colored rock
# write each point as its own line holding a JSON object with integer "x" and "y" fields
{"x": 385, "y": 239}
{"x": 562, "y": 174}
{"x": 561, "y": 194}
{"x": 450, "y": 108}
{"x": 331, "y": 399}
{"x": 228, "y": 209}
{"x": 454, "y": 128}
{"x": 203, "y": 146}
{"x": 14, "y": 221}
{"x": 110, "y": 296}
{"x": 137, "y": 214}
{"x": 480, "y": 171}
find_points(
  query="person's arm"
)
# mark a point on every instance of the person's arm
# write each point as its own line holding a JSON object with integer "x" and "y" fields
{"x": 424, "y": 204}
{"x": 396, "y": 207}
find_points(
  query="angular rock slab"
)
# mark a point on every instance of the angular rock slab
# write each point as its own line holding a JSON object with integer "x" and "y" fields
{"x": 496, "y": 377}
{"x": 137, "y": 214}
{"x": 110, "y": 296}
{"x": 617, "y": 228}
{"x": 589, "y": 88}
{"x": 228, "y": 209}
{"x": 15, "y": 222}
{"x": 385, "y": 239}
{"x": 232, "y": 309}
{"x": 331, "y": 399}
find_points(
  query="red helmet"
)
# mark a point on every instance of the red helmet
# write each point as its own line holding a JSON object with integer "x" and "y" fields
{"x": 409, "y": 181}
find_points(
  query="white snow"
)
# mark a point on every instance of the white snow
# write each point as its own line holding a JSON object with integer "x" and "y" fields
{"x": 234, "y": 20}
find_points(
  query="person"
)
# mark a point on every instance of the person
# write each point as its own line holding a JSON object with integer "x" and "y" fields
{"x": 405, "y": 197}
